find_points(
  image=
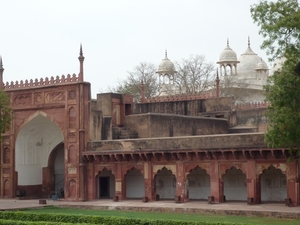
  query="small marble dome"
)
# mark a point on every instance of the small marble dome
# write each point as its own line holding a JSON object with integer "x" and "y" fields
{"x": 166, "y": 66}
{"x": 227, "y": 55}
{"x": 261, "y": 65}
{"x": 249, "y": 62}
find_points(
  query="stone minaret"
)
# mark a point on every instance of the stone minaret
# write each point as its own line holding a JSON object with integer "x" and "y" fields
{"x": 81, "y": 59}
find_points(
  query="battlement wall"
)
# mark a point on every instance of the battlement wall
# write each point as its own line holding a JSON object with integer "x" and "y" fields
{"x": 41, "y": 82}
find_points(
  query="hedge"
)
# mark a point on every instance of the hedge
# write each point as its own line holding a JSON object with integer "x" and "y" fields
{"x": 36, "y": 218}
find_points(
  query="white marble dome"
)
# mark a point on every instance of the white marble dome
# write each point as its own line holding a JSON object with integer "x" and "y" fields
{"x": 166, "y": 66}
{"x": 249, "y": 63}
{"x": 227, "y": 55}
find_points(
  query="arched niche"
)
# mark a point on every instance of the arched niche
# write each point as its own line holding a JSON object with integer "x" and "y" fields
{"x": 106, "y": 183}
{"x": 135, "y": 184}
{"x": 273, "y": 185}
{"x": 235, "y": 185}
{"x": 198, "y": 184}
{"x": 165, "y": 184}
{"x": 34, "y": 143}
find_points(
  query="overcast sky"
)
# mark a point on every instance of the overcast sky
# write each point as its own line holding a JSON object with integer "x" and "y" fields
{"x": 42, "y": 38}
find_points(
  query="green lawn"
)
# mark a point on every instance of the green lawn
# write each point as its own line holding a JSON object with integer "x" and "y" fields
{"x": 169, "y": 216}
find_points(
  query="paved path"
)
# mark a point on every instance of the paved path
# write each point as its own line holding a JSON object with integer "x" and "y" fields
{"x": 231, "y": 208}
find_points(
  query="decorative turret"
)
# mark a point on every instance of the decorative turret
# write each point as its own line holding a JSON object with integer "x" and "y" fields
{"x": 1, "y": 73}
{"x": 228, "y": 58}
{"x": 81, "y": 59}
{"x": 166, "y": 69}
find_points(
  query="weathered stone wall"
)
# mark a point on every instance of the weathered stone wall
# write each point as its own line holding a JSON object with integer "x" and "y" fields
{"x": 188, "y": 107}
{"x": 169, "y": 125}
{"x": 255, "y": 140}
{"x": 254, "y": 117}
{"x": 95, "y": 129}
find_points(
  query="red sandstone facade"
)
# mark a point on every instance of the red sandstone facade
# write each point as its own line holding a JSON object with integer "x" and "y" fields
{"x": 178, "y": 148}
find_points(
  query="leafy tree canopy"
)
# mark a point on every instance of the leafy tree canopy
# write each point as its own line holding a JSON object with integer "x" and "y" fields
{"x": 279, "y": 25}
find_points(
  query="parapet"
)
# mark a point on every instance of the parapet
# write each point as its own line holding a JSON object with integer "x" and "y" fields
{"x": 182, "y": 97}
{"x": 42, "y": 82}
{"x": 252, "y": 105}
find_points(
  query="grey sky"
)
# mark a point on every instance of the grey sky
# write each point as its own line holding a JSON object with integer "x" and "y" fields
{"x": 42, "y": 38}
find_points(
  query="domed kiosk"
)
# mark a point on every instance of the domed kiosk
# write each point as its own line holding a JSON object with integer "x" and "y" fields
{"x": 166, "y": 71}
{"x": 243, "y": 78}
{"x": 228, "y": 59}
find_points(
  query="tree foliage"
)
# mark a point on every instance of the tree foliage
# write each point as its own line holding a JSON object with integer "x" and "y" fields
{"x": 144, "y": 72}
{"x": 194, "y": 75}
{"x": 283, "y": 94}
{"x": 5, "y": 112}
{"x": 279, "y": 25}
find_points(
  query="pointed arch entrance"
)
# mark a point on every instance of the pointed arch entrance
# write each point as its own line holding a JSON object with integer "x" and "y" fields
{"x": 165, "y": 184}
{"x": 135, "y": 184}
{"x": 106, "y": 181}
{"x": 198, "y": 184}
{"x": 35, "y": 168}
{"x": 235, "y": 185}
{"x": 273, "y": 185}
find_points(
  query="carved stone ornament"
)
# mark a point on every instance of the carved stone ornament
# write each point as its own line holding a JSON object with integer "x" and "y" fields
{"x": 72, "y": 170}
{"x": 6, "y": 170}
{"x": 6, "y": 140}
{"x": 72, "y": 136}
{"x": 38, "y": 98}
{"x": 23, "y": 99}
{"x": 57, "y": 96}
{"x": 72, "y": 95}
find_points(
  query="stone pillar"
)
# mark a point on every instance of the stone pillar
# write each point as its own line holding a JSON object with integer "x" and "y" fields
{"x": 91, "y": 186}
{"x": 292, "y": 182}
{"x": 253, "y": 192}
{"x": 149, "y": 181}
{"x": 216, "y": 184}
{"x": 82, "y": 182}
{"x": 119, "y": 195}
{"x": 181, "y": 192}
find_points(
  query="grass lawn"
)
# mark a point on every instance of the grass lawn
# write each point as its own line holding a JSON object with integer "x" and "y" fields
{"x": 168, "y": 216}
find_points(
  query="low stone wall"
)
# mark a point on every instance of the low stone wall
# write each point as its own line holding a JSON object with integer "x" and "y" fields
{"x": 253, "y": 140}
{"x": 169, "y": 125}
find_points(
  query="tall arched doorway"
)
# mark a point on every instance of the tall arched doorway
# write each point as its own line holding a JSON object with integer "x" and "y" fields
{"x": 135, "y": 184}
{"x": 235, "y": 185}
{"x": 165, "y": 184}
{"x": 106, "y": 184}
{"x": 198, "y": 184}
{"x": 273, "y": 185}
{"x": 34, "y": 144}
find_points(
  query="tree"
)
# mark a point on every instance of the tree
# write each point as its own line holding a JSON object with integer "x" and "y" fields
{"x": 5, "y": 112}
{"x": 279, "y": 25}
{"x": 283, "y": 94}
{"x": 194, "y": 75}
{"x": 144, "y": 72}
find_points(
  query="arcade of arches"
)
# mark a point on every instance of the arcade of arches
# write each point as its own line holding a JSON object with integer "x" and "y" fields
{"x": 226, "y": 181}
